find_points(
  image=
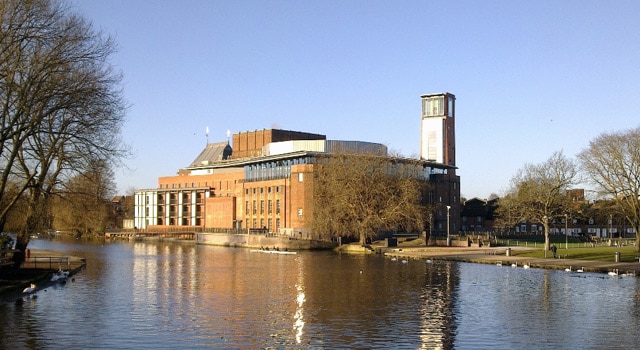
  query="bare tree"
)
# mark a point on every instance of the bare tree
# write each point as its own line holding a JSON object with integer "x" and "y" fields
{"x": 612, "y": 164}
{"x": 84, "y": 204}
{"x": 361, "y": 195}
{"x": 538, "y": 192}
{"x": 61, "y": 106}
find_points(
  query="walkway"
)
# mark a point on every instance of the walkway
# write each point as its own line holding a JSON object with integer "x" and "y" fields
{"x": 495, "y": 255}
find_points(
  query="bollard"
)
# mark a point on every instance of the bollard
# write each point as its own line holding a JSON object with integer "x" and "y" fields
{"x": 508, "y": 252}
{"x": 617, "y": 256}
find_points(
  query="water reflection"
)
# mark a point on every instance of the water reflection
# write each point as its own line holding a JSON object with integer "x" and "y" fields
{"x": 155, "y": 295}
{"x": 437, "y": 320}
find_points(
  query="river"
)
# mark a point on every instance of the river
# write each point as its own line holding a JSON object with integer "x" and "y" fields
{"x": 174, "y": 296}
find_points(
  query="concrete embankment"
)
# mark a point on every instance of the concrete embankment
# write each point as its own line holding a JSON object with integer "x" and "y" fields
{"x": 496, "y": 255}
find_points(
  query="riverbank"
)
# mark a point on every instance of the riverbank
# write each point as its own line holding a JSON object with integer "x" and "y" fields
{"x": 38, "y": 269}
{"x": 508, "y": 256}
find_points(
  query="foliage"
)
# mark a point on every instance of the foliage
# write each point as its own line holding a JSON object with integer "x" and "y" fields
{"x": 361, "y": 195}
{"x": 85, "y": 203}
{"x": 612, "y": 164}
{"x": 6, "y": 242}
{"x": 60, "y": 106}
{"x": 538, "y": 193}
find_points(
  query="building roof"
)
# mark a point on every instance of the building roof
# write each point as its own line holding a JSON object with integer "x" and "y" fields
{"x": 214, "y": 152}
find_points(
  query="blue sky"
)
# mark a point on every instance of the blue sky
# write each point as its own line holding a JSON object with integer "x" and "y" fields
{"x": 530, "y": 78}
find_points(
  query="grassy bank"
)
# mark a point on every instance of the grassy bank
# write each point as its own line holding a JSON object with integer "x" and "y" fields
{"x": 599, "y": 253}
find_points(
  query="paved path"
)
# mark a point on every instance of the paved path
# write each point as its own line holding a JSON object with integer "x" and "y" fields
{"x": 495, "y": 255}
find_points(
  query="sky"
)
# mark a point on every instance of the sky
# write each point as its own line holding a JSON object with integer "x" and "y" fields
{"x": 530, "y": 77}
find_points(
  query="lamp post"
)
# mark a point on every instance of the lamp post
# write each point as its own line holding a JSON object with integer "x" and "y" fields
{"x": 544, "y": 218}
{"x": 566, "y": 231}
{"x": 430, "y": 228}
{"x": 448, "y": 226}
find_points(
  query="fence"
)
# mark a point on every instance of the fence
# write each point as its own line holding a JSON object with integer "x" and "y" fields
{"x": 47, "y": 262}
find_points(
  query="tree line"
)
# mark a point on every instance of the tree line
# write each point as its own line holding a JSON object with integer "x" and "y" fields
{"x": 610, "y": 165}
{"x": 62, "y": 110}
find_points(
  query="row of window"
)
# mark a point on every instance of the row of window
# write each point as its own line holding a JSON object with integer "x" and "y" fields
{"x": 269, "y": 207}
{"x": 268, "y": 226}
{"x": 262, "y": 190}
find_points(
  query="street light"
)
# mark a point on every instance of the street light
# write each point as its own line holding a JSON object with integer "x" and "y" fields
{"x": 566, "y": 231}
{"x": 448, "y": 226}
{"x": 545, "y": 235}
{"x": 430, "y": 228}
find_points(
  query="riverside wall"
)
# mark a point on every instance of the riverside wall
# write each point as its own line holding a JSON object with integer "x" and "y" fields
{"x": 260, "y": 241}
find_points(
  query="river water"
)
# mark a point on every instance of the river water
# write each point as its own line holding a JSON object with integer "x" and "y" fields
{"x": 175, "y": 296}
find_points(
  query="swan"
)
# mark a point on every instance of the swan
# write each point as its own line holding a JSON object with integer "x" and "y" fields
{"x": 30, "y": 289}
{"x": 515, "y": 264}
{"x": 394, "y": 259}
{"x": 526, "y": 266}
{"x": 568, "y": 269}
{"x": 404, "y": 261}
{"x": 429, "y": 261}
{"x": 499, "y": 263}
{"x": 580, "y": 269}
{"x": 613, "y": 273}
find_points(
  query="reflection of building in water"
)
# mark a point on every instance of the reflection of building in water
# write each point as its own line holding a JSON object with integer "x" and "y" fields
{"x": 162, "y": 267}
{"x": 438, "y": 326}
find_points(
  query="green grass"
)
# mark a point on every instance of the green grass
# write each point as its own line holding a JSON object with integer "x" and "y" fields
{"x": 600, "y": 253}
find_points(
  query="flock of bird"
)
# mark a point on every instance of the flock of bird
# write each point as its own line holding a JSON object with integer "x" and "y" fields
{"x": 59, "y": 277}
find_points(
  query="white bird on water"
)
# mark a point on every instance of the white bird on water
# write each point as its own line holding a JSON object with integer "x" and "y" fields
{"x": 515, "y": 264}
{"x": 526, "y": 266}
{"x": 613, "y": 273}
{"x": 30, "y": 289}
{"x": 568, "y": 269}
{"x": 580, "y": 269}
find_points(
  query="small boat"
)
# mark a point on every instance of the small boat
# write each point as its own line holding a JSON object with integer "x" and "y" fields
{"x": 283, "y": 252}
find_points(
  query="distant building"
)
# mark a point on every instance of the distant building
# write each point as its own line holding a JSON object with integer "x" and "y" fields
{"x": 265, "y": 181}
{"x": 478, "y": 215}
